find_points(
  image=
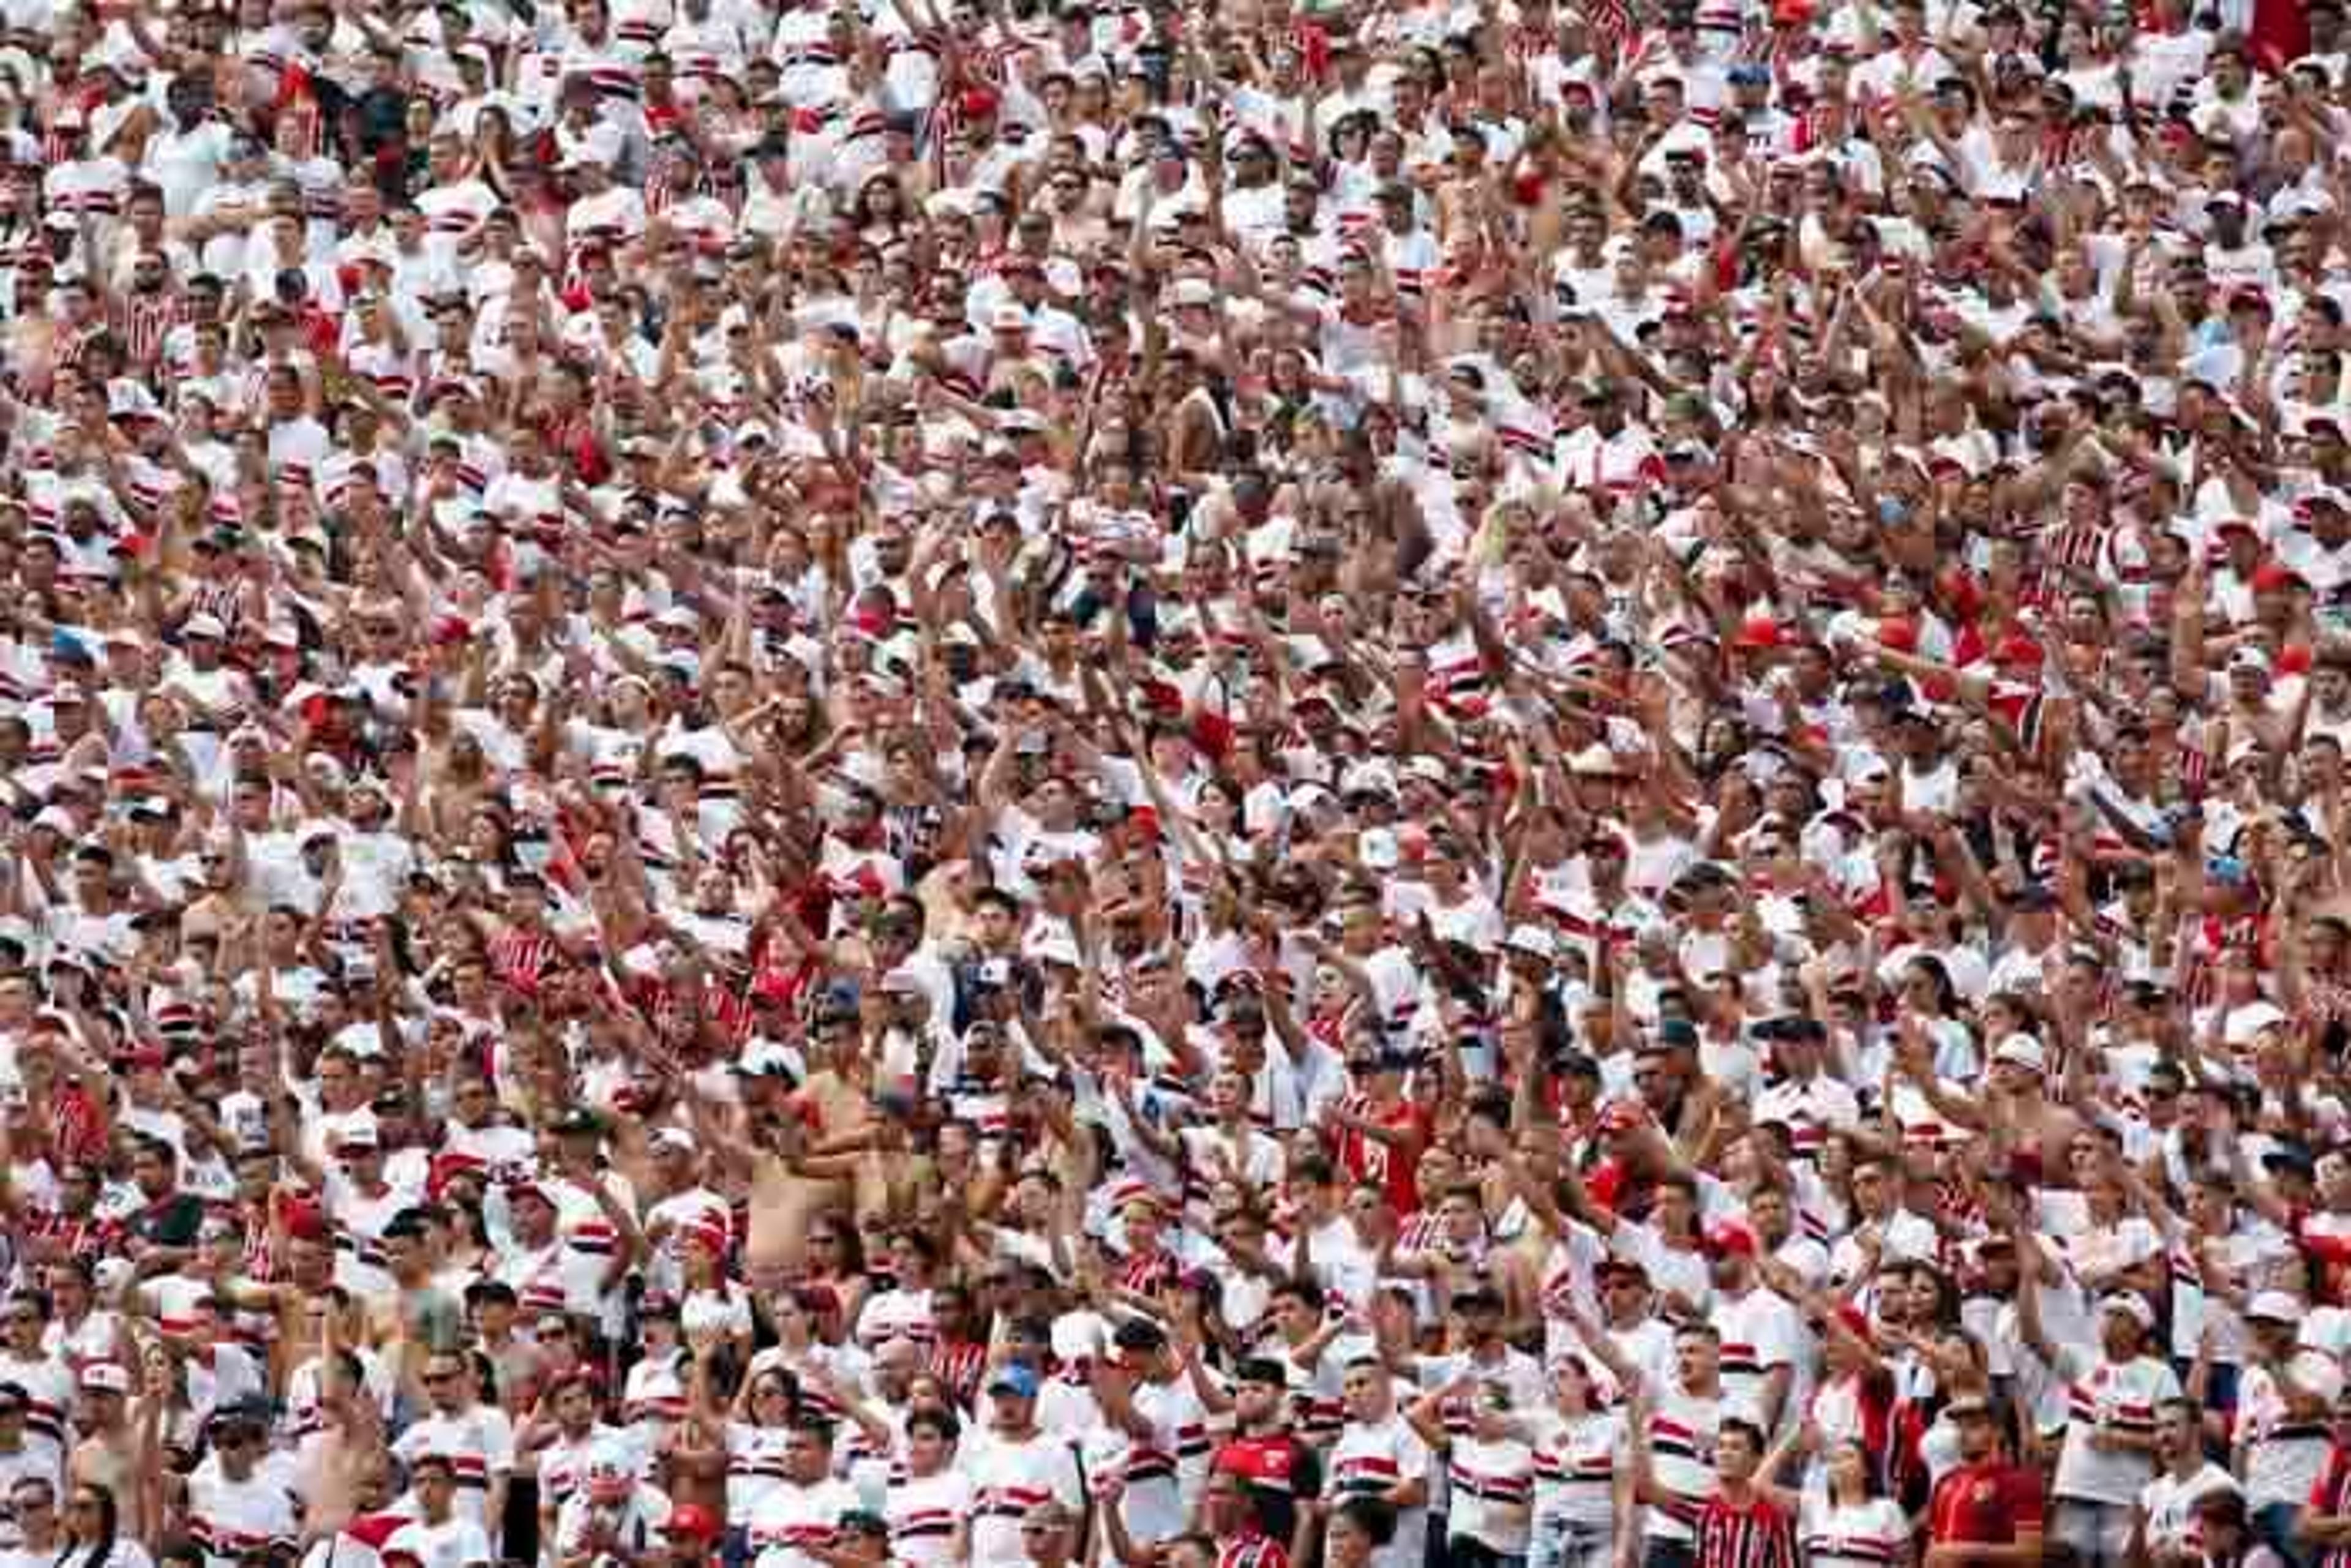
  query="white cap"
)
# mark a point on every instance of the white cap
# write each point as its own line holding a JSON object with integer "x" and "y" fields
{"x": 2248, "y": 1023}
{"x": 359, "y": 1133}
{"x": 1050, "y": 942}
{"x": 2273, "y": 1306}
{"x": 2132, "y": 1305}
{"x": 1594, "y": 761}
{"x": 1368, "y": 779}
{"x": 1534, "y": 939}
{"x": 767, "y": 1058}
{"x": 2022, "y": 1051}
{"x": 106, "y": 1377}
{"x": 609, "y": 1461}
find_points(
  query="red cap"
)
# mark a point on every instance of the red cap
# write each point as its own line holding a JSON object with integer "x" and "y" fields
{"x": 1731, "y": 1236}
{"x": 2019, "y": 651}
{"x": 303, "y": 1219}
{"x": 1758, "y": 631}
{"x": 2271, "y": 576}
{"x": 978, "y": 102}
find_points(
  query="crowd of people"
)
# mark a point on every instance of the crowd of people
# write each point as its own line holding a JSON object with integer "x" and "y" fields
{"x": 1099, "y": 784}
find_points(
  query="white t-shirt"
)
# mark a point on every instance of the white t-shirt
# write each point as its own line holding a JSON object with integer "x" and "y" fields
{"x": 796, "y": 1518}
{"x": 2284, "y": 1455}
{"x": 456, "y": 1543}
{"x": 1007, "y": 1480}
{"x": 2169, "y": 1505}
{"x": 1575, "y": 1464}
{"x": 1682, "y": 1431}
{"x": 479, "y": 1445}
{"x": 1490, "y": 1490}
{"x": 1759, "y": 1331}
{"x": 2108, "y": 1397}
{"x": 1864, "y": 1534}
{"x": 923, "y": 1512}
{"x": 1370, "y": 1461}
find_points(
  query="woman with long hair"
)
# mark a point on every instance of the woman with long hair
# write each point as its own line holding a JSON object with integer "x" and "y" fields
{"x": 93, "y": 1532}
{"x": 1850, "y": 1522}
{"x": 1583, "y": 1492}
{"x": 836, "y": 1262}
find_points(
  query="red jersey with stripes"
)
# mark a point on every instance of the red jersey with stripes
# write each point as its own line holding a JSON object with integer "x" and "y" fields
{"x": 1749, "y": 1533}
{"x": 2331, "y": 1497}
{"x": 1252, "y": 1551}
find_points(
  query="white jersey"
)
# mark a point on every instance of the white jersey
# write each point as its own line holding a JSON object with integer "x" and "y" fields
{"x": 1682, "y": 1431}
{"x": 1576, "y": 1465}
{"x": 1009, "y": 1479}
{"x": 227, "y": 1519}
{"x": 1867, "y": 1534}
{"x": 479, "y": 1445}
{"x": 2170, "y": 1502}
{"x": 755, "y": 1467}
{"x": 583, "y": 1524}
{"x": 1373, "y": 1460}
{"x": 1489, "y": 1490}
{"x": 795, "y": 1521}
{"x": 453, "y": 1543}
{"x": 2284, "y": 1454}
{"x": 1760, "y": 1332}
{"x": 923, "y": 1512}
{"x": 2109, "y": 1396}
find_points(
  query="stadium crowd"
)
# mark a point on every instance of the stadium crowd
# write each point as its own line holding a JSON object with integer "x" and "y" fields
{"x": 1283, "y": 784}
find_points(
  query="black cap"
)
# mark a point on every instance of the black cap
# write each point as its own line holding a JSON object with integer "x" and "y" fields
{"x": 2290, "y": 1157}
{"x": 1138, "y": 1335}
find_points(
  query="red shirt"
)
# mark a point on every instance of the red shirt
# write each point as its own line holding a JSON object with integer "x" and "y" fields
{"x": 1989, "y": 1504}
{"x": 1752, "y": 1534}
{"x": 2332, "y": 1496}
{"x": 1395, "y": 1166}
